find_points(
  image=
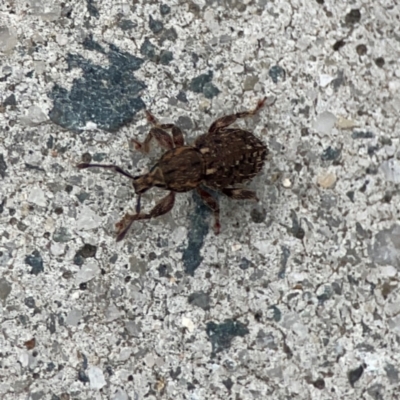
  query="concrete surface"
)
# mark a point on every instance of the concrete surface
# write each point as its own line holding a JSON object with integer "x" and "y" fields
{"x": 297, "y": 298}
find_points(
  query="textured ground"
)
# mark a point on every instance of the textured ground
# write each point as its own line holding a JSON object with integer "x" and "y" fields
{"x": 298, "y": 297}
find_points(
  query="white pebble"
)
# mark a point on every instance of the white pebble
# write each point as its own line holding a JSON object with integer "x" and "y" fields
{"x": 36, "y": 196}
{"x": 324, "y": 123}
{"x": 96, "y": 378}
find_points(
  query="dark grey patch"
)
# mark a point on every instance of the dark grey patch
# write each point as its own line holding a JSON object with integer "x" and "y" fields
{"x": 92, "y": 9}
{"x": 351, "y": 257}
{"x": 169, "y": 34}
{"x": 36, "y": 262}
{"x": 376, "y": 391}
{"x": 274, "y": 313}
{"x": 326, "y": 295}
{"x": 371, "y": 150}
{"x": 78, "y": 259}
{"x": 284, "y": 260}
{"x": 337, "y": 288}
{"x": 30, "y": 302}
{"x": 166, "y": 57}
{"x": 221, "y": 335}
{"x": 385, "y": 250}
{"x": 62, "y": 235}
{"x": 50, "y": 366}
{"x": 350, "y": 195}
{"x": 34, "y": 167}
{"x": 328, "y": 201}
{"x": 21, "y": 226}
{"x": 174, "y": 374}
{"x": 82, "y": 376}
{"x": 37, "y": 395}
{"x": 197, "y": 84}
{"x": 50, "y": 142}
{"x": 392, "y": 373}
{"x": 266, "y": 340}
{"x": 198, "y": 229}
{"x": 362, "y": 135}
{"x": 210, "y": 90}
{"x": 365, "y": 347}
{"x": 200, "y": 299}
{"x": 355, "y": 374}
{"x": 165, "y": 9}
{"x": 353, "y": 17}
{"x": 3, "y": 166}
{"x": 319, "y": 383}
{"x": 228, "y": 383}
{"x": 277, "y": 73}
{"x": 88, "y": 251}
{"x": 164, "y": 271}
{"x": 2, "y": 206}
{"x": 82, "y": 196}
{"x": 372, "y": 170}
{"x": 10, "y": 100}
{"x": 5, "y": 289}
{"x": 386, "y": 141}
{"x": 148, "y": 50}
{"x": 245, "y": 263}
{"x": 380, "y": 62}
{"x": 126, "y": 24}
{"x": 182, "y": 97}
{"x": 113, "y": 259}
{"x": 331, "y": 154}
{"x": 86, "y": 157}
{"x": 305, "y": 111}
{"x": 258, "y": 215}
{"x": 99, "y": 157}
{"x": 90, "y": 44}
{"x": 338, "y": 81}
{"x": 296, "y": 230}
{"x": 184, "y": 123}
{"x": 155, "y": 25}
{"x": 108, "y": 96}
{"x": 51, "y": 323}
{"x": 109, "y": 370}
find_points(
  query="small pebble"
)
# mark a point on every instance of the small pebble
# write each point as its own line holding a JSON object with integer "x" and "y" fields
{"x": 286, "y": 183}
{"x": 344, "y": 123}
{"x": 326, "y": 180}
{"x": 96, "y": 378}
{"x": 188, "y": 324}
{"x": 324, "y": 123}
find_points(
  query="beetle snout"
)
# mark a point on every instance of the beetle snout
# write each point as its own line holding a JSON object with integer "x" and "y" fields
{"x": 142, "y": 184}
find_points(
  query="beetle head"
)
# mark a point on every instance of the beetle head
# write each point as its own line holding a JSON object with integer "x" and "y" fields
{"x": 145, "y": 182}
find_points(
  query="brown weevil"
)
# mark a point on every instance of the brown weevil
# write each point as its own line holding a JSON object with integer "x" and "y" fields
{"x": 219, "y": 160}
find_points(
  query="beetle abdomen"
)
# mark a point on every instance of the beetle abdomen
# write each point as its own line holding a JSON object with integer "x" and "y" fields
{"x": 231, "y": 156}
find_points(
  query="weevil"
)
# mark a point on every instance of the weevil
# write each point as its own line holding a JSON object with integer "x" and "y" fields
{"x": 220, "y": 160}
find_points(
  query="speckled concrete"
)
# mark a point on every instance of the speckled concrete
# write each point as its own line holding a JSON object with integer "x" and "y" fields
{"x": 298, "y": 297}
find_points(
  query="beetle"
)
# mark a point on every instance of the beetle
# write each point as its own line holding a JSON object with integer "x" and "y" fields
{"x": 219, "y": 160}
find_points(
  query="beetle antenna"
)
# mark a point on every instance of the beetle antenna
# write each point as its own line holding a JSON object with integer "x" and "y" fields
{"x": 108, "y": 166}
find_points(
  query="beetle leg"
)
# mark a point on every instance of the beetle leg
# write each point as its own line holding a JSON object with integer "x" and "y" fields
{"x": 213, "y": 204}
{"x": 162, "y": 137}
{"x": 162, "y": 207}
{"x": 177, "y": 134}
{"x": 230, "y": 119}
{"x": 107, "y": 166}
{"x": 240, "y": 194}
